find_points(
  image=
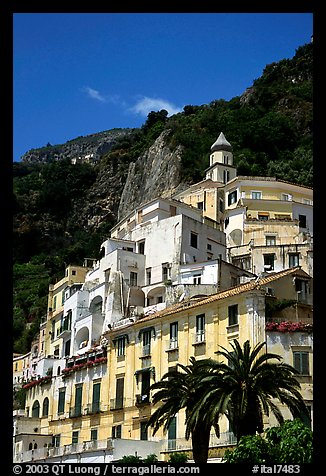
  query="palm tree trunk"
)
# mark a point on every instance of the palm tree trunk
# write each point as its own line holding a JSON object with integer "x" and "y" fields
{"x": 200, "y": 444}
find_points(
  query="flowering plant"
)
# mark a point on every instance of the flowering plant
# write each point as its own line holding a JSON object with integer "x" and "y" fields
{"x": 90, "y": 363}
{"x": 289, "y": 326}
{"x": 39, "y": 381}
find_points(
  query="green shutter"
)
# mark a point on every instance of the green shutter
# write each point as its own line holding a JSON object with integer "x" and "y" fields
{"x": 61, "y": 401}
{"x": 78, "y": 400}
{"x": 96, "y": 397}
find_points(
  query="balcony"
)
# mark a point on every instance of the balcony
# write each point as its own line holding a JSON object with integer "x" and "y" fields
{"x": 142, "y": 399}
{"x": 117, "y": 403}
{"x": 146, "y": 351}
{"x": 42, "y": 454}
{"x": 172, "y": 344}
{"x": 94, "y": 408}
{"x": 227, "y": 438}
{"x": 75, "y": 412}
{"x": 199, "y": 338}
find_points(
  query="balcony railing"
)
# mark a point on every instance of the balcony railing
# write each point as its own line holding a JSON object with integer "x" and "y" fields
{"x": 117, "y": 403}
{"x": 76, "y": 448}
{"x": 226, "y": 438}
{"x": 199, "y": 337}
{"x": 95, "y": 407}
{"x": 173, "y": 344}
{"x": 142, "y": 399}
{"x": 75, "y": 412}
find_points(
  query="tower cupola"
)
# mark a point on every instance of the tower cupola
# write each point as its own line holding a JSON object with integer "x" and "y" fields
{"x": 221, "y": 144}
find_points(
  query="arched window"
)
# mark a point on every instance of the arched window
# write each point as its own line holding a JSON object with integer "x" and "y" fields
{"x": 45, "y": 411}
{"x": 36, "y": 409}
{"x": 59, "y": 370}
{"x": 30, "y": 446}
{"x": 35, "y": 446}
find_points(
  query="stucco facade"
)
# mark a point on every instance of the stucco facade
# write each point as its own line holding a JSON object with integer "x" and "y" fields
{"x": 113, "y": 400}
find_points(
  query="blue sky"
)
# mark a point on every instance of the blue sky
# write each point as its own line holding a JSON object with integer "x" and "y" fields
{"x": 80, "y": 73}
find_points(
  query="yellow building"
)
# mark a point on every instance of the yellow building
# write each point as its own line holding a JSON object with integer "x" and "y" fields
{"x": 103, "y": 395}
{"x": 268, "y": 222}
{"x": 57, "y": 323}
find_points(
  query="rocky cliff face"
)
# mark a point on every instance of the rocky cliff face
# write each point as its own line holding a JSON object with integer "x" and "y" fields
{"x": 155, "y": 173}
{"x": 93, "y": 144}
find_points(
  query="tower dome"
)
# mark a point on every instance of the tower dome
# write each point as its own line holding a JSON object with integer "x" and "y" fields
{"x": 221, "y": 144}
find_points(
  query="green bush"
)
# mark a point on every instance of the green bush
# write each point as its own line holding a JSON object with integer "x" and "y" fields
{"x": 178, "y": 458}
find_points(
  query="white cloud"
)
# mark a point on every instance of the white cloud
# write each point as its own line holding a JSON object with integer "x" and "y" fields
{"x": 94, "y": 94}
{"x": 145, "y": 105}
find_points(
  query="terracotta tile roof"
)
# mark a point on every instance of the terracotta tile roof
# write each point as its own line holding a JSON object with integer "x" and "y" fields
{"x": 255, "y": 283}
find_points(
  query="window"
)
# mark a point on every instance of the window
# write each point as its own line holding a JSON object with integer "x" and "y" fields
{"x": 145, "y": 385}
{"x": 78, "y": 400}
{"x": 172, "y": 433}
{"x": 74, "y": 439}
{"x": 197, "y": 278}
{"x": 232, "y": 197}
{"x": 121, "y": 342}
{"x": 143, "y": 430}
{"x": 146, "y": 338}
{"x": 96, "y": 397}
{"x": 263, "y": 216}
{"x": 133, "y": 278}
{"x": 301, "y": 287}
{"x": 200, "y": 328}
{"x": 193, "y": 239}
{"x": 226, "y": 176}
{"x": 141, "y": 247}
{"x": 45, "y": 410}
{"x": 54, "y": 303}
{"x": 256, "y": 195}
{"x": 94, "y": 434}
{"x": 116, "y": 431}
{"x": 61, "y": 400}
{"x": 119, "y": 392}
{"x": 173, "y": 335}
{"x": 270, "y": 240}
{"x": 287, "y": 197}
{"x": 148, "y": 276}
{"x": 233, "y": 314}
{"x": 269, "y": 262}
{"x": 56, "y": 441}
{"x": 293, "y": 260}
{"x": 301, "y": 362}
{"x": 221, "y": 205}
{"x": 200, "y": 205}
{"x": 166, "y": 271}
{"x": 209, "y": 247}
{"x": 302, "y": 221}
{"x": 73, "y": 272}
{"x": 36, "y": 409}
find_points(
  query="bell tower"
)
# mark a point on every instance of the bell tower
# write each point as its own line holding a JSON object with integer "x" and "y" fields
{"x": 221, "y": 151}
{"x": 221, "y": 167}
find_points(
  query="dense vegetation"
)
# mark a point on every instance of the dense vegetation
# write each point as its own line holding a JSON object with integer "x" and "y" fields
{"x": 289, "y": 443}
{"x": 269, "y": 127}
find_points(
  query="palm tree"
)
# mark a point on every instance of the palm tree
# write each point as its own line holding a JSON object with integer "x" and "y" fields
{"x": 177, "y": 390}
{"x": 246, "y": 388}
